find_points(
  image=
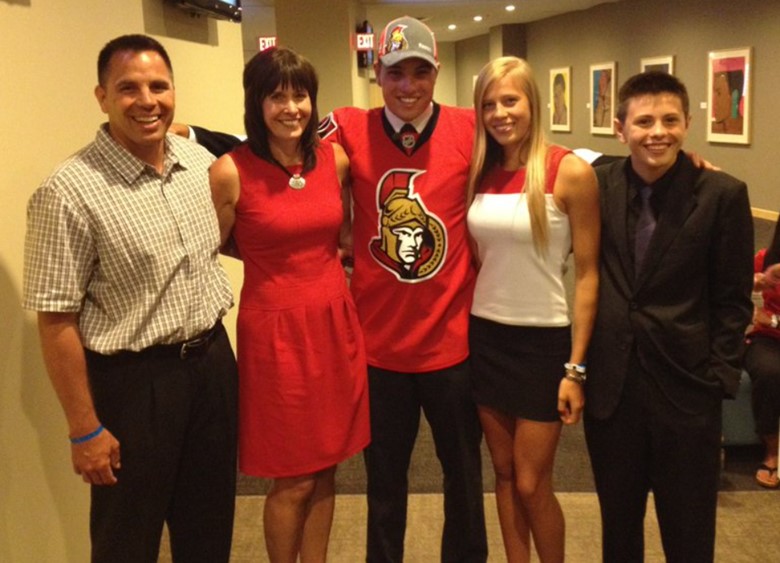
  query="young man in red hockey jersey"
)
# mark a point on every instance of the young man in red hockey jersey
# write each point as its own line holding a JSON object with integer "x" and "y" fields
{"x": 413, "y": 282}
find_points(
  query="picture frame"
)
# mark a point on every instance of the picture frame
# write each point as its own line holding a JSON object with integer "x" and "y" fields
{"x": 560, "y": 99}
{"x": 602, "y": 95}
{"x": 664, "y": 64}
{"x": 729, "y": 96}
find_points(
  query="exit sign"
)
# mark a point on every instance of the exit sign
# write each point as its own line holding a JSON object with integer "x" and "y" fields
{"x": 364, "y": 41}
{"x": 264, "y": 43}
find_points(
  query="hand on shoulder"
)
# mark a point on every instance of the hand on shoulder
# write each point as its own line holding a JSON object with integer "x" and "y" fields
{"x": 700, "y": 162}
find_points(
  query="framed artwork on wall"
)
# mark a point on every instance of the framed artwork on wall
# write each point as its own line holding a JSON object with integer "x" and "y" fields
{"x": 728, "y": 96}
{"x": 663, "y": 64}
{"x": 560, "y": 99}
{"x": 602, "y": 95}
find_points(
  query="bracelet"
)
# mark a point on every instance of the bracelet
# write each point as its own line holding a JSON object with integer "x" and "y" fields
{"x": 575, "y": 372}
{"x": 576, "y": 378}
{"x": 87, "y": 437}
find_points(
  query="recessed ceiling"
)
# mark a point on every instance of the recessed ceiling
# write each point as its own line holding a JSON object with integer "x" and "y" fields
{"x": 439, "y": 14}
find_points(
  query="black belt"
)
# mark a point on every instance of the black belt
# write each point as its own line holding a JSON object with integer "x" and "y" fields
{"x": 183, "y": 350}
{"x": 190, "y": 347}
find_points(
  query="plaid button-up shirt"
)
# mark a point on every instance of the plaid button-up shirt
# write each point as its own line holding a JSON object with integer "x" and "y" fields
{"x": 133, "y": 251}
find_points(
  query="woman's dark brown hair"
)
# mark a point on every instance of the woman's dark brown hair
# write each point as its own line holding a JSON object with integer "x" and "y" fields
{"x": 262, "y": 74}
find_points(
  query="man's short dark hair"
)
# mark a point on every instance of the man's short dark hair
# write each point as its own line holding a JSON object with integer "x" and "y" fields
{"x": 651, "y": 82}
{"x": 135, "y": 43}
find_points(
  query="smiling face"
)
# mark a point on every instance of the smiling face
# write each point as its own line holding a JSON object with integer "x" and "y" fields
{"x": 138, "y": 97}
{"x": 286, "y": 113}
{"x": 506, "y": 112}
{"x": 654, "y": 129}
{"x": 407, "y": 86}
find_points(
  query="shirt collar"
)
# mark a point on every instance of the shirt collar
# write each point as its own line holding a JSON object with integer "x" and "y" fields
{"x": 419, "y": 123}
{"x": 661, "y": 185}
{"x": 129, "y": 166}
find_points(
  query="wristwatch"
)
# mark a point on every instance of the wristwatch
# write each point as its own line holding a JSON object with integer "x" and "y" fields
{"x": 773, "y": 321}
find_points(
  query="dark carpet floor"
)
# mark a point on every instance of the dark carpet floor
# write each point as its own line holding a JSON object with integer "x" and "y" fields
{"x": 572, "y": 471}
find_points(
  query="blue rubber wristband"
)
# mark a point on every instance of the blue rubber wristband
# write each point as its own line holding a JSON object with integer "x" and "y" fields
{"x": 87, "y": 437}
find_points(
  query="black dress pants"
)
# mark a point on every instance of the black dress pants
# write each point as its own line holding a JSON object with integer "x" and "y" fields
{"x": 650, "y": 445}
{"x": 175, "y": 420}
{"x": 396, "y": 400}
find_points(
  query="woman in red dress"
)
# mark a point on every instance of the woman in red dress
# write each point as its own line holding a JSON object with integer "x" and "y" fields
{"x": 303, "y": 397}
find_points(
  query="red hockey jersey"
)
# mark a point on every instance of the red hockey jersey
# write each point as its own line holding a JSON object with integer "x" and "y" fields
{"x": 413, "y": 278}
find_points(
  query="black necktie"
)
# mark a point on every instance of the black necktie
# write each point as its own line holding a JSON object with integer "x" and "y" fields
{"x": 408, "y": 137}
{"x": 645, "y": 225}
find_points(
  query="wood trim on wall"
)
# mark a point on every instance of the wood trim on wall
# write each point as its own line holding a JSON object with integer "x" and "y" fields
{"x": 764, "y": 214}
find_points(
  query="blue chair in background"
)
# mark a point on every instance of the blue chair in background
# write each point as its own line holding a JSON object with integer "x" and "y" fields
{"x": 738, "y": 423}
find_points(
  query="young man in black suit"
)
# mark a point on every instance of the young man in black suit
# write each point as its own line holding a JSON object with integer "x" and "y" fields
{"x": 674, "y": 301}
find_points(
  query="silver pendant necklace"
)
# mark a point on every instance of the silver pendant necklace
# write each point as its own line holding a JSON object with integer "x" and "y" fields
{"x": 296, "y": 182}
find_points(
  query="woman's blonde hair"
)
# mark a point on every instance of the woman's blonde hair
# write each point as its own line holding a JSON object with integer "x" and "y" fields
{"x": 488, "y": 153}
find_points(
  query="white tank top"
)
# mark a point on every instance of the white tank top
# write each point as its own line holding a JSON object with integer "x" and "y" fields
{"x": 515, "y": 285}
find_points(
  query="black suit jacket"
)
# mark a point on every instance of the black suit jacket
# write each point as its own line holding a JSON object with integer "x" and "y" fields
{"x": 683, "y": 317}
{"x": 215, "y": 142}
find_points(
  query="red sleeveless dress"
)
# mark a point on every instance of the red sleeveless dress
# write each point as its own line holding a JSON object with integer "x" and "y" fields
{"x": 303, "y": 392}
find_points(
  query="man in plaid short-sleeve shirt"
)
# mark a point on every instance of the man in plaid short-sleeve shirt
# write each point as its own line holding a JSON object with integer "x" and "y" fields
{"x": 121, "y": 266}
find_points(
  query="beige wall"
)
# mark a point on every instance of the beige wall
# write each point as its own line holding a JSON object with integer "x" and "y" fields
{"x": 627, "y": 31}
{"x": 48, "y": 50}
{"x": 257, "y": 21}
{"x": 328, "y": 49}
{"x": 446, "y": 81}
{"x": 471, "y": 54}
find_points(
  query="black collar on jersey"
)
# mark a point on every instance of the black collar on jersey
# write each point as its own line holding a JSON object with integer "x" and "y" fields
{"x": 424, "y": 136}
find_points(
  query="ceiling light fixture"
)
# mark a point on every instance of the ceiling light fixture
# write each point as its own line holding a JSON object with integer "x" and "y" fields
{"x": 477, "y": 18}
{"x": 452, "y": 27}
{"x": 510, "y": 8}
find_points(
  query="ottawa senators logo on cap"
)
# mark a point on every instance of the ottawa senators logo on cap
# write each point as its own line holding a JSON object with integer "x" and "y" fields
{"x": 405, "y": 38}
{"x": 412, "y": 242}
{"x": 396, "y": 40}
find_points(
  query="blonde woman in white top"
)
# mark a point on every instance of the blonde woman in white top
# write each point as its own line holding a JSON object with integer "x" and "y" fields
{"x": 531, "y": 205}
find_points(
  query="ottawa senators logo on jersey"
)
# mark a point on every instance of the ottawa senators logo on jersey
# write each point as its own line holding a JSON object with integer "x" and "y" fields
{"x": 412, "y": 242}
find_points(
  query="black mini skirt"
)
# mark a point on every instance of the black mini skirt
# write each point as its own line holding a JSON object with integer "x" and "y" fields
{"x": 516, "y": 370}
